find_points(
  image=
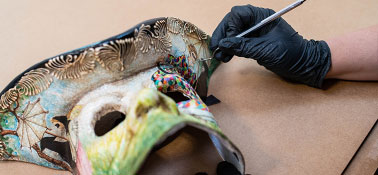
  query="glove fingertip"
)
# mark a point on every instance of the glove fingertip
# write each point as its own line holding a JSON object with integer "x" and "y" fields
{"x": 221, "y": 56}
{"x": 227, "y": 58}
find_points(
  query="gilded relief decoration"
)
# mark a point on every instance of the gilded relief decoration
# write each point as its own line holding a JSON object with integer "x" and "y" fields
{"x": 178, "y": 26}
{"x": 72, "y": 66}
{"x": 158, "y": 40}
{"x": 112, "y": 55}
{"x": 49, "y": 116}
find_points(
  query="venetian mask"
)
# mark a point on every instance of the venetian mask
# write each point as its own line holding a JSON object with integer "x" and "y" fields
{"x": 103, "y": 108}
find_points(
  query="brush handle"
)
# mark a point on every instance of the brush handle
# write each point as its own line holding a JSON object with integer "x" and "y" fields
{"x": 272, "y": 17}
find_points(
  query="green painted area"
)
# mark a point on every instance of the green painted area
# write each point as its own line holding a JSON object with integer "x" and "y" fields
{"x": 123, "y": 150}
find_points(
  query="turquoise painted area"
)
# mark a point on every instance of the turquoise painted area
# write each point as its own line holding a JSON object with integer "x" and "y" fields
{"x": 30, "y": 155}
{"x": 58, "y": 100}
{"x": 9, "y": 122}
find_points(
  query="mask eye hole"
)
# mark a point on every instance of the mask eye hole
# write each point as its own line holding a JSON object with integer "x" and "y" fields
{"x": 107, "y": 122}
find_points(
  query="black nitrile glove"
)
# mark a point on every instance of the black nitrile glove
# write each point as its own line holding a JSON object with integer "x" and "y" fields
{"x": 276, "y": 46}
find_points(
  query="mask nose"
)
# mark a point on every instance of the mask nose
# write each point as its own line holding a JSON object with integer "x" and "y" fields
{"x": 150, "y": 99}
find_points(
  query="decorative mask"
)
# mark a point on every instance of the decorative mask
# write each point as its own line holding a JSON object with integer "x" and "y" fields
{"x": 101, "y": 109}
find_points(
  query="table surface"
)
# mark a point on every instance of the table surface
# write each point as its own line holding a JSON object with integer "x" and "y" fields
{"x": 281, "y": 127}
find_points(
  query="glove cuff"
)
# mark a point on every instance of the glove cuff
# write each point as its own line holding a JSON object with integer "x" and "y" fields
{"x": 322, "y": 59}
{"x": 312, "y": 66}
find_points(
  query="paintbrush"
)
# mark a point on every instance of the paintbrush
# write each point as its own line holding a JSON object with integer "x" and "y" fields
{"x": 262, "y": 23}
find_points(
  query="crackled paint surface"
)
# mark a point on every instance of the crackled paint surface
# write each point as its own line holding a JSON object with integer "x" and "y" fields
{"x": 48, "y": 115}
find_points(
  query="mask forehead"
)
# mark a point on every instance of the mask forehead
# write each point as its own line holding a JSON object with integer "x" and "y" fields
{"x": 48, "y": 113}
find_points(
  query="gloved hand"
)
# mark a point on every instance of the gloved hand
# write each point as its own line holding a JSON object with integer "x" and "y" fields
{"x": 276, "y": 46}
